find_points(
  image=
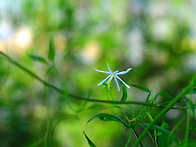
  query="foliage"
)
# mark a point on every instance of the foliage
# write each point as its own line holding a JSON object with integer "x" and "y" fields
{"x": 48, "y": 86}
{"x": 162, "y": 135}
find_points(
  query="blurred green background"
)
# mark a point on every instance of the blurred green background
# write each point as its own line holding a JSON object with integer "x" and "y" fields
{"x": 156, "y": 38}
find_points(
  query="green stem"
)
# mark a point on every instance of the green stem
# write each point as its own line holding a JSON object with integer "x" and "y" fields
{"x": 188, "y": 118}
{"x": 129, "y": 140}
{"x": 175, "y": 127}
{"x": 160, "y": 115}
{"x": 47, "y": 133}
{"x": 64, "y": 89}
{"x": 192, "y": 123}
{"x": 137, "y": 136}
{"x": 79, "y": 97}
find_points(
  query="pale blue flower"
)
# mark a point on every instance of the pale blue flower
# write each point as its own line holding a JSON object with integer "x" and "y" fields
{"x": 113, "y": 75}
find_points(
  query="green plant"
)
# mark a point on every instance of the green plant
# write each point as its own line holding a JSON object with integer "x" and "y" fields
{"x": 131, "y": 120}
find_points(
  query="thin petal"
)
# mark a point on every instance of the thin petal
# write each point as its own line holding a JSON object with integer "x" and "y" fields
{"x": 109, "y": 68}
{"x": 123, "y": 82}
{"x": 101, "y": 71}
{"x": 110, "y": 79}
{"x": 124, "y": 72}
{"x": 104, "y": 80}
{"x": 117, "y": 83}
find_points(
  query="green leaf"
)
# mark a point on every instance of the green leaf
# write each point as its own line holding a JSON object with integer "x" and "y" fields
{"x": 91, "y": 144}
{"x": 107, "y": 117}
{"x": 124, "y": 96}
{"x": 141, "y": 88}
{"x": 150, "y": 117}
{"x": 96, "y": 106}
{"x": 147, "y": 98}
{"x": 37, "y": 58}
{"x": 163, "y": 94}
{"x": 51, "y": 52}
{"x": 161, "y": 130}
{"x": 164, "y": 125}
{"x": 88, "y": 96}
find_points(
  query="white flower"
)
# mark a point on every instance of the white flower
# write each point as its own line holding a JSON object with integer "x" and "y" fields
{"x": 113, "y": 75}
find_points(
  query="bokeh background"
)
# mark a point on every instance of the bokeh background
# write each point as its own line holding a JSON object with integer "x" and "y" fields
{"x": 156, "y": 38}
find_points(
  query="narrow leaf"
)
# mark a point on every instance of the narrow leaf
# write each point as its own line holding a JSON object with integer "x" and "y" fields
{"x": 165, "y": 95}
{"x": 148, "y": 97}
{"x": 162, "y": 130}
{"x": 150, "y": 117}
{"x": 51, "y": 52}
{"x": 141, "y": 88}
{"x": 96, "y": 106}
{"x": 88, "y": 96}
{"x": 124, "y": 96}
{"x": 91, "y": 144}
{"x": 164, "y": 125}
{"x": 107, "y": 117}
{"x": 37, "y": 58}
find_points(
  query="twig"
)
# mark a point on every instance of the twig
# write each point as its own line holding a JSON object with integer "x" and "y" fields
{"x": 80, "y": 97}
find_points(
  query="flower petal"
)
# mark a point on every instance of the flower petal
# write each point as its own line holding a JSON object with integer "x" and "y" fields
{"x": 117, "y": 83}
{"x": 110, "y": 79}
{"x": 109, "y": 68}
{"x": 104, "y": 80}
{"x": 101, "y": 71}
{"x": 123, "y": 82}
{"x": 124, "y": 72}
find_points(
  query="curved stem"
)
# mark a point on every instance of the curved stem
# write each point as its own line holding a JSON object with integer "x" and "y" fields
{"x": 79, "y": 97}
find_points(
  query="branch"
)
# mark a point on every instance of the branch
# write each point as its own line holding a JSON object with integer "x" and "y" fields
{"x": 6, "y": 57}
